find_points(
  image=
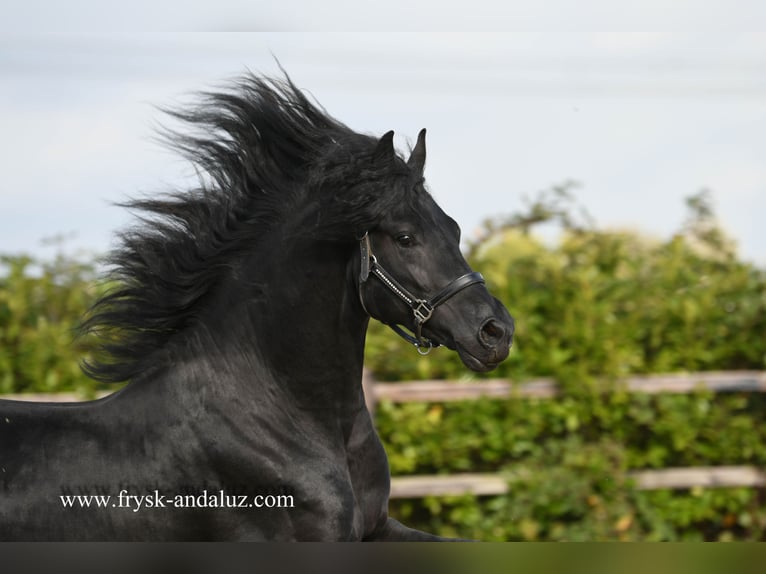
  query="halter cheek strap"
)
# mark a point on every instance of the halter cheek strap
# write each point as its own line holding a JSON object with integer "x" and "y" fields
{"x": 422, "y": 309}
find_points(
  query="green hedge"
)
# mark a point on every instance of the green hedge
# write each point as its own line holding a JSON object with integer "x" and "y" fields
{"x": 41, "y": 304}
{"x": 567, "y": 462}
{"x": 593, "y": 307}
{"x": 609, "y": 303}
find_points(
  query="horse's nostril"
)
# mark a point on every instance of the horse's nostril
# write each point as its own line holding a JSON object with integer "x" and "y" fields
{"x": 491, "y": 333}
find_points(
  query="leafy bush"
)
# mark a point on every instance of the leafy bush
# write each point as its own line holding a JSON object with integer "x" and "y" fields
{"x": 594, "y": 307}
{"x": 568, "y": 462}
{"x": 608, "y": 303}
{"x": 597, "y": 306}
{"x": 40, "y": 307}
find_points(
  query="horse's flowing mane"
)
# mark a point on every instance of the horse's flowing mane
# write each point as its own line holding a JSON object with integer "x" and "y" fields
{"x": 267, "y": 156}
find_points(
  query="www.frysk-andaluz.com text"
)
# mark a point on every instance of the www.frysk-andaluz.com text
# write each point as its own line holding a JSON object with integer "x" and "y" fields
{"x": 155, "y": 499}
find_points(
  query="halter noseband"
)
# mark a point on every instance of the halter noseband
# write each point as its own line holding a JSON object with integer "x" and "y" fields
{"x": 422, "y": 309}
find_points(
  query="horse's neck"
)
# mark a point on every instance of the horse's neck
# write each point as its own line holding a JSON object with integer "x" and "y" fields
{"x": 294, "y": 310}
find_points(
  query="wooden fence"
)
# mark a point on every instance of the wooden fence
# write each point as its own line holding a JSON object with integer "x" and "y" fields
{"x": 495, "y": 484}
{"x": 441, "y": 391}
{"x": 481, "y": 484}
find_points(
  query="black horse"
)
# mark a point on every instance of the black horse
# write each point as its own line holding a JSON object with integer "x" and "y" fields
{"x": 239, "y": 320}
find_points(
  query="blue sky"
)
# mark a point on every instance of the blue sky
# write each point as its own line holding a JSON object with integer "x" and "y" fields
{"x": 639, "y": 120}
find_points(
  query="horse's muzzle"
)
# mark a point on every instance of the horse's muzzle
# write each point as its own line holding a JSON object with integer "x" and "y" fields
{"x": 491, "y": 346}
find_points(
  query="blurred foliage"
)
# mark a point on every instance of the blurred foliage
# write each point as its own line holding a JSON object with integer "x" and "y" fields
{"x": 568, "y": 460}
{"x": 41, "y": 304}
{"x": 590, "y": 308}
{"x": 595, "y": 306}
{"x": 606, "y": 303}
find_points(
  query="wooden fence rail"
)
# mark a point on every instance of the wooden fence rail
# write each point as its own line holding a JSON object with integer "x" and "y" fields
{"x": 440, "y": 391}
{"x": 496, "y": 484}
{"x": 483, "y": 484}
{"x": 489, "y": 484}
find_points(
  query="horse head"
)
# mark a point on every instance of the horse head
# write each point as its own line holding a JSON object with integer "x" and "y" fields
{"x": 413, "y": 274}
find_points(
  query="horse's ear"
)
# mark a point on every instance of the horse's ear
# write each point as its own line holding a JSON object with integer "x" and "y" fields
{"x": 385, "y": 147}
{"x": 417, "y": 161}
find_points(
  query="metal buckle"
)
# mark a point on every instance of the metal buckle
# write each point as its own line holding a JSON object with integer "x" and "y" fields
{"x": 423, "y": 311}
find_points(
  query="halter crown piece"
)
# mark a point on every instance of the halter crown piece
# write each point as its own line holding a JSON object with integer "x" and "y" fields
{"x": 422, "y": 309}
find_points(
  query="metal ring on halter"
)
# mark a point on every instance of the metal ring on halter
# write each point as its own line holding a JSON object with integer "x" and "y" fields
{"x": 422, "y": 309}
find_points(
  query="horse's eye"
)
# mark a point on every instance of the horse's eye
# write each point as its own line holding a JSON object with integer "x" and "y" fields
{"x": 405, "y": 240}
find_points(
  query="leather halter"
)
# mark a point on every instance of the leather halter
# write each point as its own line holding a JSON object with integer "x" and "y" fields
{"x": 422, "y": 309}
